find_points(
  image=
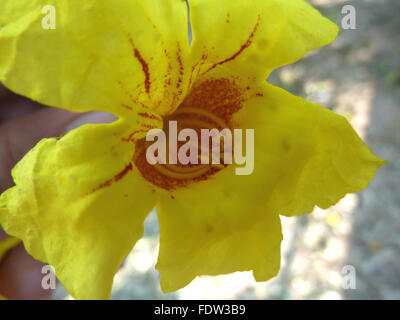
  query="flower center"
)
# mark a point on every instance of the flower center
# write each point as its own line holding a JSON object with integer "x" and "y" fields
{"x": 173, "y": 175}
{"x": 210, "y": 104}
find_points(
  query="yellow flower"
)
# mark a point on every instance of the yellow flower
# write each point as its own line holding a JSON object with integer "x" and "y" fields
{"x": 80, "y": 201}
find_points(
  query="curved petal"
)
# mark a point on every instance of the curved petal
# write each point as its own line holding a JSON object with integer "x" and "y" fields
{"x": 305, "y": 155}
{"x": 312, "y": 155}
{"x": 218, "y": 226}
{"x": 254, "y": 37}
{"x": 102, "y": 55}
{"x": 79, "y": 205}
{"x": 216, "y": 230}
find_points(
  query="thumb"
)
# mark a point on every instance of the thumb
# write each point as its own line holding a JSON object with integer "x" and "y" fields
{"x": 17, "y": 137}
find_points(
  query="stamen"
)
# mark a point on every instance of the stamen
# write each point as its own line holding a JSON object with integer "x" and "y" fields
{"x": 181, "y": 176}
{"x": 202, "y": 112}
{"x": 185, "y": 169}
{"x": 171, "y": 176}
{"x": 194, "y": 118}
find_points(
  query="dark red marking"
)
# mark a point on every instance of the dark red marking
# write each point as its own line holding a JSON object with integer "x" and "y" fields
{"x": 180, "y": 78}
{"x": 129, "y": 139}
{"x": 259, "y": 94}
{"x": 203, "y": 61}
{"x": 148, "y": 116}
{"x": 122, "y": 174}
{"x": 148, "y": 126}
{"x": 179, "y": 83}
{"x": 145, "y": 66}
{"x": 167, "y": 81}
{"x": 126, "y": 106}
{"x": 130, "y": 96}
{"x": 116, "y": 178}
{"x": 191, "y": 74}
{"x": 242, "y": 48}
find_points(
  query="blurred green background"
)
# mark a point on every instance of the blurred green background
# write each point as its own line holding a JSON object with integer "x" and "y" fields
{"x": 357, "y": 76}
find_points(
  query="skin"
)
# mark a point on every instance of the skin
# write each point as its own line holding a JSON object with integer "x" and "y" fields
{"x": 23, "y": 123}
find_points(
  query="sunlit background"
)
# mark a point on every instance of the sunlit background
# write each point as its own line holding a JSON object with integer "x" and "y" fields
{"x": 357, "y": 76}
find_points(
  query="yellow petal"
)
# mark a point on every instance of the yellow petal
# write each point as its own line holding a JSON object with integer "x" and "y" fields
{"x": 306, "y": 154}
{"x": 254, "y": 37}
{"x": 102, "y": 55}
{"x": 216, "y": 227}
{"x": 79, "y": 205}
{"x": 6, "y": 245}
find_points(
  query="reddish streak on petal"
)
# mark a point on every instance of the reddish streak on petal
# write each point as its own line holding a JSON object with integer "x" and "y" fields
{"x": 130, "y": 96}
{"x": 126, "y": 106}
{"x": 202, "y": 61}
{"x": 180, "y": 78}
{"x": 191, "y": 74}
{"x": 167, "y": 76}
{"x": 242, "y": 48}
{"x": 116, "y": 178}
{"x": 145, "y": 66}
{"x": 178, "y": 85}
{"x": 122, "y": 174}
{"x": 148, "y": 126}
{"x": 129, "y": 139}
{"x": 148, "y": 116}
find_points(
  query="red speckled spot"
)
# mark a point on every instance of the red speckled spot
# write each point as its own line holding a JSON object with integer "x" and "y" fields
{"x": 220, "y": 97}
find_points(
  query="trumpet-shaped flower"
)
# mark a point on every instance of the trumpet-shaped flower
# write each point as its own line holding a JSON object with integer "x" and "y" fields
{"x": 79, "y": 201}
